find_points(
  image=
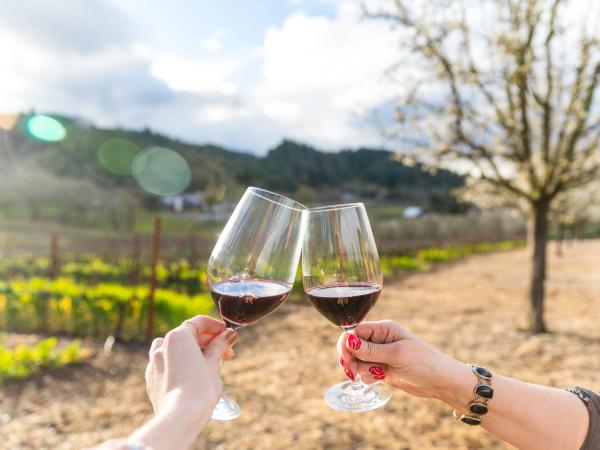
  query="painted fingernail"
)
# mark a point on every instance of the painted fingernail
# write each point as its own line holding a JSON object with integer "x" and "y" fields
{"x": 230, "y": 336}
{"x": 349, "y": 374}
{"x": 341, "y": 361}
{"x": 354, "y": 342}
{"x": 379, "y": 378}
{"x": 376, "y": 371}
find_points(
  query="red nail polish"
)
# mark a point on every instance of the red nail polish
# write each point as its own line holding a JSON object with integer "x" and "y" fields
{"x": 354, "y": 342}
{"x": 349, "y": 374}
{"x": 377, "y": 371}
{"x": 341, "y": 361}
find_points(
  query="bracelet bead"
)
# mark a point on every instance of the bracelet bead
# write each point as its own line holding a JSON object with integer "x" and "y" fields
{"x": 485, "y": 391}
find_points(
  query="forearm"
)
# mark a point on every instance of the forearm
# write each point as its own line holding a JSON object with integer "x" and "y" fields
{"x": 171, "y": 431}
{"x": 525, "y": 415}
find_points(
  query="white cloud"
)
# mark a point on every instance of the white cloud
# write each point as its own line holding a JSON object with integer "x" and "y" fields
{"x": 321, "y": 75}
{"x": 215, "y": 41}
{"x": 195, "y": 75}
{"x": 312, "y": 78}
{"x": 212, "y": 44}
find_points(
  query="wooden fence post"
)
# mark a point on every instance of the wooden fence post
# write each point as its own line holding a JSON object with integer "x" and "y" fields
{"x": 153, "y": 263}
{"x": 54, "y": 267}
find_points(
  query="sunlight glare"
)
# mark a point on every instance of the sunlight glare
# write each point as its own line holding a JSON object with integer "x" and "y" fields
{"x": 161, "y": 171}
{"x": 46, "y": 128}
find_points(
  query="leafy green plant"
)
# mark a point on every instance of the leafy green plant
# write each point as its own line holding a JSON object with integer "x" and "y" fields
{"x": 179, "y": 275}
{"x": 78, "y": 309}
{"x": 423, "y": 259}
{"x": 24, "y": 360}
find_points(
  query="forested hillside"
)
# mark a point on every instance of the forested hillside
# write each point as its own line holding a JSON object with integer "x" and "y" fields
{"x": 37, "y": 172}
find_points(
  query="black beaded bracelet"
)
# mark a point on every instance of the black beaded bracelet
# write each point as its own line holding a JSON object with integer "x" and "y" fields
{"x": 483, "y": 393}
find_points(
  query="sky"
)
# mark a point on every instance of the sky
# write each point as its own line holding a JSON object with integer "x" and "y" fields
{"x": 242, "y": 74}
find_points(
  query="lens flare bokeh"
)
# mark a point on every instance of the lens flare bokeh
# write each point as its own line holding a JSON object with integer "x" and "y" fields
{"x": 46, "y": 128}
{"x": 8, "y": 121}
{"x": 117, "y": 155}
{"x": 161, "y": 171}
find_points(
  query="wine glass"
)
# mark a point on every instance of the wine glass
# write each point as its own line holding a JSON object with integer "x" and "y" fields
{"x": 342, "y": 279}
{"x": 252, "y": 268}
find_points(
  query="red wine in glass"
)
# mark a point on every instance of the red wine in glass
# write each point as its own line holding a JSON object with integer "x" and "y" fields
{"x": 243, "y": 301}
{"x": 344, "y": 304}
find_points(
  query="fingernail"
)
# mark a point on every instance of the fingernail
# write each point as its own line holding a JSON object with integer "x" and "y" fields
{"x": 349, "y": 374}
{"x": 341, "y": 361}
{"x": 377, "y": 372}
{"x": 230, "y": 336}
{"x": 354, "y": 342}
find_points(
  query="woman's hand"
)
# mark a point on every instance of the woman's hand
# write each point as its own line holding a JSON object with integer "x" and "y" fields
{"x": 183, "y": 383}
{"x": 528, "y": 416}
{"x": 184, "y": 365}
{"x": 384, "y": 351}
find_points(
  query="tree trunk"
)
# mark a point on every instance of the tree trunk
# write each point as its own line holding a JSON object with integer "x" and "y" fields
{"x": 538, "y": 238}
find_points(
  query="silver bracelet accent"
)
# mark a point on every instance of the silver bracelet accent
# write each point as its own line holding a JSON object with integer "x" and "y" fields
{"x": 483, "y": 393}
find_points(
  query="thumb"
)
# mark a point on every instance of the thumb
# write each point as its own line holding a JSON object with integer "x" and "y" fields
{"x": 369, "y": 351}
{"x": 217, "y": 348}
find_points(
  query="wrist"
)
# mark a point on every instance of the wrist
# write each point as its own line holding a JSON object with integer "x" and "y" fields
{"x": 456, "y": 387}
{"x": 176, "y": 426}
{"x": 190, "y": 411}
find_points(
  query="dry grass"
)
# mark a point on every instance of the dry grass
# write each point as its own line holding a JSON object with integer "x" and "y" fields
{"x": 470, "y": 309}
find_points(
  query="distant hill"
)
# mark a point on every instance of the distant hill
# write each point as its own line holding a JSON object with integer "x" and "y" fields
{"x": 291, "y": 167}
{"x": 367, "y": 173}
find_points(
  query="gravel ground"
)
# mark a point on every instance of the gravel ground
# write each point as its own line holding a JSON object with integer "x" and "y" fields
{"x": 470, "y": 309}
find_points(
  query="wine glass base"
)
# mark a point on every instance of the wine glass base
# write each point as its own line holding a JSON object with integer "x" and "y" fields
{"x": 345, "y": 397}
{"x": 226, "y": 409}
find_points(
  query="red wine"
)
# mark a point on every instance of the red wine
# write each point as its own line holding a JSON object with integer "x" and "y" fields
{"x": 244, "y": 301}
{"x": 344, "y": 304}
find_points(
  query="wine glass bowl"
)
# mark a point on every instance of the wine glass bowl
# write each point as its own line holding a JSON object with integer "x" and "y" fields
{"x": 252, "y": 267}
{"x": 342, "y": 278}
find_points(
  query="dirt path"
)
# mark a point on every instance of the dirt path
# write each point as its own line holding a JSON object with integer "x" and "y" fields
{"x": 284, "y": 363}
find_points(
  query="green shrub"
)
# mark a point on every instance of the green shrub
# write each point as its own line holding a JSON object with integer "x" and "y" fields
{"x": 423, "y": 259}
{"x": 23, "y": 360}
{"x": 65, "y": 306}
{"x": 179, "y": 275}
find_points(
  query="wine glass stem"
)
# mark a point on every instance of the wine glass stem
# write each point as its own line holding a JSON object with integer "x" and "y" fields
{"x": 229, "y": 326}
{"x": 357, "y": 384}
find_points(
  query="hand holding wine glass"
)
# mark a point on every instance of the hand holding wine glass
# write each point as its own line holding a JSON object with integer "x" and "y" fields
{"x": 342, "y": 279}
{"x": 384, "y": 351}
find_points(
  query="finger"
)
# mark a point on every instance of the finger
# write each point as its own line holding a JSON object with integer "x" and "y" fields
{"x": 229, "y": 354}
{"x": 201, "y": 325}
{"x": 381, "y": 331}
{"x": 218, "y": 346}
{"x": 158, "y": 360}
{"x": 147, "y": 374}
{"x": 343, "y": 353}
{"x": 156, "y": 344}
{"x": 368, "y": 379}
{"x": 346, "y": 361}
{"x": 369, "y": 351}
{"x": 204, "y": 339}
{"x": 371, "y": 370}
